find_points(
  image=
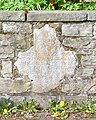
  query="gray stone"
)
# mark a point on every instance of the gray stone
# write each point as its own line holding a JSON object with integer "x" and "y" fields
{"x": 86, "y": 29}
{"x": 84, "y": 51}
{"x": 92, "y": 90}
{"x": 17, "y": 99}
{"x": 73, "y": 88}
{"x": 70, "y": 29}
{"x": 79, "y": 29}
{"x": 94, "y": 28}
{"x": 10, "y": 27}
{"x": 57, "y": 16}
{"x": 6, "y": 52}
{"x": 14, "y": 27}
{"x": 12, "y": 16}
{"x": 6, "y": 40}
{"x": 90, "y": 87}
{"x": 6, "y": 69}
{"x": 88, "y": 60}
{"x": 43, "y": 99}
{"x": 85, "y": 71}
{"x": 79, "y": 98}
{"x": 47, "y": 62}
{"x": 91, "y": 15}
{"x": 19, "y": 41}
{"x": 91, "y": 45}
{"x": 23, "y": 41}
{"x": 76, "y": 42}
{"x": 19, "y": 85}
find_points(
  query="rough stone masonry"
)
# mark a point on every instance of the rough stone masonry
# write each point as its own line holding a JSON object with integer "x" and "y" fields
{"x": 51, "y": 55}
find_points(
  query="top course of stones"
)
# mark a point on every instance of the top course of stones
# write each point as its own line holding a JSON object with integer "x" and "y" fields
{"x": 52, "y": 16}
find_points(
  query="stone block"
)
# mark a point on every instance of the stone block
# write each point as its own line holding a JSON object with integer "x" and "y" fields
{"x": 6, "y": 69}
{"x": 42, "y": 99}
{"x": 18, "y": 99}
{"x": 87, "y": 71}
{"x": 84, "y": 51}
{"x": 14, "y": 27}
{"x": 12, "y": 16}
{"x": 6, "y": 40}
{"x": 23, "y": 41}
{"x": 90, "y": 87}
{"x": 88, "y": 60}
{"x": 92, "y": 90}
{"x": 56, "y": 16}
{"x": 8, "y": 27}
{"x": 86, "y": 29}
{"x": 6, "y": 52}
{"x": 73, "y": 88}
{"x": 91, "y": 15}
{"x": 76, "y": 42}
{"x": 94, "y": 29}
{"x": 91, "y": 45}
{"x": 79, "y": 98}
{"x": 79, "y": 29}
{"x": 19, "y": 85}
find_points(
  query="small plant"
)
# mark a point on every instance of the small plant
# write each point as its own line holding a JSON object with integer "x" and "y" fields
{"x": 25, "y": 106}
{"x": 74, "y": 107}
{"x": 7, "y": 109}
{"x": 91, "y": 107}
{"x": 61, "y": 110}
{"x": 4, "y": 108}
{"x": 58, "y": 109}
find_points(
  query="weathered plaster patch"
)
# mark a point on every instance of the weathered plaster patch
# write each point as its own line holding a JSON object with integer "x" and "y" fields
{"x": 46, "y": 63}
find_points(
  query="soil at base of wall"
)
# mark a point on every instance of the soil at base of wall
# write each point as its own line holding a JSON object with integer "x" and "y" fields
{"x": 46, "y": 116}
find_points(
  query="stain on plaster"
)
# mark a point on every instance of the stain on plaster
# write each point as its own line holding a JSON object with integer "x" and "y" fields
{"x": 46, "y": 63}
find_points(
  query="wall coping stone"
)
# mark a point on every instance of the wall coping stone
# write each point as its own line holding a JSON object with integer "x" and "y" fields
{"x": 57, "y": 16}
{"x": 52, "y": 16}
{"x": 12, "y": 15}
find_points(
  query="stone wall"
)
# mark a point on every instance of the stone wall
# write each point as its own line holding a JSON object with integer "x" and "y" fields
{"x": 48, "y": 55}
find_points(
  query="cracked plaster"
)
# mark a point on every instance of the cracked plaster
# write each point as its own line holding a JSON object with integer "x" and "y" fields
{"x": 46, "y": 63}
